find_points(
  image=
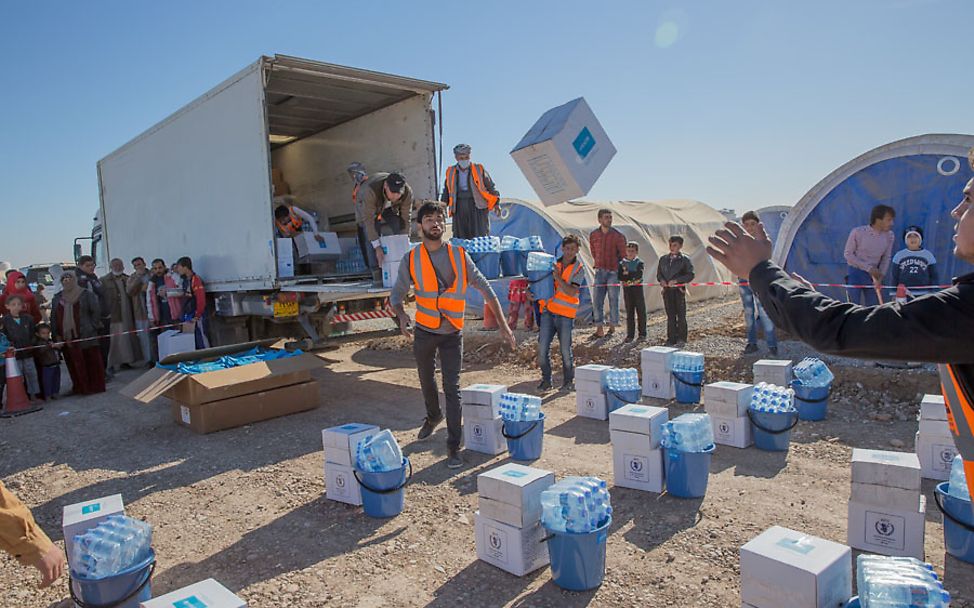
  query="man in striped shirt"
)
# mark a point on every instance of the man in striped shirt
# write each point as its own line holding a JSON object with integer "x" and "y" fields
{"x": 868, "y": 252}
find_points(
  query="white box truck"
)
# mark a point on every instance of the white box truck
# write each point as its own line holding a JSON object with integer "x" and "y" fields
{"x": 200, "y": 184}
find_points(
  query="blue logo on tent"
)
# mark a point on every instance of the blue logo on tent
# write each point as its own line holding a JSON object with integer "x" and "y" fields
{"x": 91, "y": 508}
{"x": 584, "y": 143}
{"x": 190, "y": 602}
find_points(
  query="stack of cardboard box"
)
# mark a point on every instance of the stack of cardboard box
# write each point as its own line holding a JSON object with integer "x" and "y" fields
{"x": 934, "y": 442}
{"x": 482, "y": 423}
{"x": 727, "y": 402}
{"x": 658, "y": 372}
{"x": 204, "y": 594}
{"x": 339, "y": 445}
{"x": 782, "y": 567}
{"x": 508, "y": 526}
{"x": 393, "y": 250}
{"x": 773, "y": 371}
{"x": 285, "y": 258}
{"x": 590, "y": 399}
{"x": 637, "y": 459}
{"x": 886, "y": 509}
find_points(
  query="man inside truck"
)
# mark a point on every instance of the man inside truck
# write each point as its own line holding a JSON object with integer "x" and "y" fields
{"x": 359, "y": 176}
{"x": 387, "y": 204}
{"x": 289, "y": 219}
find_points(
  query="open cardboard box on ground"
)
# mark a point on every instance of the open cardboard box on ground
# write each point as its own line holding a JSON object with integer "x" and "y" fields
{"x": 226, "y": 398}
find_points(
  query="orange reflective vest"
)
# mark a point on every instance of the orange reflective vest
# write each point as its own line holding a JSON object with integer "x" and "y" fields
{"x": 959, "y": 398}
{"x": 477, "y": 175}
{"x": 292, "y": 226}
{"x": 562, "y": 304}
{"x": 432, "y": 305}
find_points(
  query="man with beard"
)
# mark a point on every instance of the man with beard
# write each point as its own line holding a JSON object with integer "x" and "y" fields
{"x": 440, "y": 273}
{"x": 124, "y": 349}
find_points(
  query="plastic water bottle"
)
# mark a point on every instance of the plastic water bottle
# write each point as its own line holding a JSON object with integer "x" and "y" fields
{"x": 957, "y": 485}
{"x": 772, "y": 398}
{"x": 688, "y": 433}
{"x": 813, "y": 372}
{"x": 518, "y": 407}
{"x": 378, "y": 453}
{"x": 886, "y": 582}
{"x": 539, "y": 261}
{"x": 576, "y": 504}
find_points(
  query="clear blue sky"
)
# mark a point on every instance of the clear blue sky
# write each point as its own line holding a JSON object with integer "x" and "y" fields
{"x": 738, "y": 104}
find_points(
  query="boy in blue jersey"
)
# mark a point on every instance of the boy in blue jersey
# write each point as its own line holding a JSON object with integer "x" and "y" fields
{"x": 914, "y": 267}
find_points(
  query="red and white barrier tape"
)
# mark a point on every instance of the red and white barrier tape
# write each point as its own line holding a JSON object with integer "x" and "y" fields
{"x": 98, "y": 337}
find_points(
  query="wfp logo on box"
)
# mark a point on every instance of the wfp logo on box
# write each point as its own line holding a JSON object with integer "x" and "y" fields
{"x": 495, "y": 540}
{"x": 340, "y": 481}
{"x": 636, "y": 465}
{"x": 885, "y": 527}
{"x": 590, "y": 404}
{"x": 478, "y": 430}
{"x": 584, "y": 142}
{"x": 724, "y": 428}
{"x": 88, "y": 509}
{"x": 947, "y": 455}
{"x": 190, "y": 602}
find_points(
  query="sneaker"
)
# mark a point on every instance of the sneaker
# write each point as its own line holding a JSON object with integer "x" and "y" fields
{"x": 750, "y": 349}
{"x": 454, "y": 460}
{"x": 428, "y": 427}
{"x": 628, "y": 340}
{"x": 774, "y": 351}
{"x": 544, "y": 386}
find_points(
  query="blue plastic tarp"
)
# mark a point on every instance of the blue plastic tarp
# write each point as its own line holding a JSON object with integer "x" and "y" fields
{"x": 254, "y": 355}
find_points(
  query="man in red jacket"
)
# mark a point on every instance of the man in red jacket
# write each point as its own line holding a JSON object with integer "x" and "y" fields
{"x": 935, "y": 328}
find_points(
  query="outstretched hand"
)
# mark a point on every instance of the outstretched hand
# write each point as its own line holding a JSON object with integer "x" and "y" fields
{"x": 740, "y": 252}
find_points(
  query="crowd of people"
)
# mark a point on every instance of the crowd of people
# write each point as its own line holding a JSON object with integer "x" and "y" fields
{"x": 97, "y": 325}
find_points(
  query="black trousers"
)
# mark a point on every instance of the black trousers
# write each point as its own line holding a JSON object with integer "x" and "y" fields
{"x": 675, "y": 302}
{"x": 635, "y": 299}
{"x": 450, "y": 346}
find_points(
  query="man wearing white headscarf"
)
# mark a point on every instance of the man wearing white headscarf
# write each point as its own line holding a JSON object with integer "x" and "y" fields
{"x": 469, "y": 194}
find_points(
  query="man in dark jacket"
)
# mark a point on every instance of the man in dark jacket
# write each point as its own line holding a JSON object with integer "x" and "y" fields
{"x": 673, "y": 272}
{"x": 935, "y": 328}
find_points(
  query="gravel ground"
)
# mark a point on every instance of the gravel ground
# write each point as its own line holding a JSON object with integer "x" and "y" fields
{"x": 246, "y": 506}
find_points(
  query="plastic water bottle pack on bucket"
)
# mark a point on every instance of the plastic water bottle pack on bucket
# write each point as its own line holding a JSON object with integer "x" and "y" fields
{"x": 115, "y": 544}
{"x": 812, "y": 372}
{"x": 483, "y": 244}
{"x": 378, "y": 453}
{"x": 687, "y": 368}
{"x": 688, "y": 433}
{"x": 772, "y": 399}
{"x": 773, "y": 415}
{"x": 576, "y": 504}
{"x": 957, "y": 485}
{"x": 812, "y": 384}
{"x": 530, "y": 243}
{"x": 885, "y": 582}
{"x": 517, "y": 407}
{"x": 622, "y": 387}
{"x": 540, "y": 262}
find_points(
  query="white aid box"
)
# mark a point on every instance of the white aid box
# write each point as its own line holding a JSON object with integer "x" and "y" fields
{"x": 484, "y": 436}
{"x": 509, "y": 514}
{"x": 204, "y": 594}
{"x": 933, "y": 427}
{"x": 80, "y": 517}
{"x": 516, "y": 550}
{"x": 936, "y": 454}
{"x": 564, "y": 153}
{"x": 390, "y": 272}
{"x": 173, "y": 342}
{"x": 592, "y": 373}
{"x": 394, "y": 247}
{"x": 882, "y": 468}
{"x": 479, "y": 412}
{"x": 773, "y": 371}
{"x": 591, "y": 405}
{"x": 658, "y": 384}
{"x": 635, "y": 463}
{"x": 782, "y": 567}
{"x": 516, "y": 484}
{"x": 727, "y": 399}
{"x": 340, "y": 441}
{"x": 932, "y": 407}
{"x": 888, "y": 531}
{"x": 657, "y": 357}
{"x": 732, "y": 431}
{"x": 643, "y": 419}
{"x": 885, "y": 496}
{"x": 341, "y": 485}
{"x": 483, "y": 394}
{"x": 591, "y": 387}
{"x": 285, "y": 258}
{"x": 311, "y": 249}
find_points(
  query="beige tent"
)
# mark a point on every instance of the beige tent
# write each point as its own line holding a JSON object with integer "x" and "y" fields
{"x": 649, "y": 223}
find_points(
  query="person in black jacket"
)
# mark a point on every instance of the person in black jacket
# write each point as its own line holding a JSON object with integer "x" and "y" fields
{"x": 631, "y": 276}
{"x": 674, "y": 271}
{"x": 936, "y": 328}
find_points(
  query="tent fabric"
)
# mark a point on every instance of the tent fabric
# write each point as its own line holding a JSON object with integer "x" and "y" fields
{"x": 649, "y": 223}
{"x": 773, "y": 217}
{"x": 921, "y": 177}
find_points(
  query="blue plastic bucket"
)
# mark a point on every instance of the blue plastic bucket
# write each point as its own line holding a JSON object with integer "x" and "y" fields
{"x": 688, "y": 385}
{"x": 489, "y": 264}
{"x": 127, "y": 589}
{"x": 958, "y": 524}
{"x": 542, "y": 284}
{"x": 772, "y": 430}
{"x": 853, "y": 603}
{"x": 511, "y": 263}
{"x": 617, "y": 399}
{"x": 812, "y": 401}
{"x": 522, "y": 262}
{"x": 524, "y": 438}
{"x": 382, "y": 493}
{"x": 687, "y": 473}
{"x": 578, "y": 560}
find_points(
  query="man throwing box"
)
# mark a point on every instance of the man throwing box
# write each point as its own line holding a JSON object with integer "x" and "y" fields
{"x": 440, "y": 273}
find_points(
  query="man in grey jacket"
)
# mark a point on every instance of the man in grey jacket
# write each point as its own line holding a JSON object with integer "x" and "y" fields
{"x": 673, "y": 272}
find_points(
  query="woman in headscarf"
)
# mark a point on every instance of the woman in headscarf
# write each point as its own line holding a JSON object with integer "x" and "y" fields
{"x": 77, "y": 316}
{"x": 17, "y": 284}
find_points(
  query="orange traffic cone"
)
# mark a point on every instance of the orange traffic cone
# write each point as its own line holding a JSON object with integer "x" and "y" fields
{"x": 17, "y": 401}
{"x": 490, "y": 322}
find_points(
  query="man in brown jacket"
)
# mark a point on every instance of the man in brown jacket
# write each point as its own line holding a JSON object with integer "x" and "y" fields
{"x": 21, "y": 537}
{"x": 387, "y": 205}
{"x": 137, "y": 285}
{"x": 124, "y": 349}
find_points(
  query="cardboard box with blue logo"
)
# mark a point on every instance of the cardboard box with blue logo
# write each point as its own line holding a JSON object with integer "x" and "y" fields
{"x": 656, "y": 363}
{"x": 726, "y": 403}
{"x": 204, "y": 594}
{"x": 80, "y": 517}
{"x": 339, "y": 444}
{"x": 637, "y": 458}
{"x": 886, "y": 508}
{"x": 590, "y": 398}
{"x": 482, "y": 423}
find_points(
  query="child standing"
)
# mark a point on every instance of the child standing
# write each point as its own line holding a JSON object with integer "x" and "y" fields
{"x": 517, "y": 298}
{"x": 914, "y": 266}
{"x": 675, "y": 269}
{"x": 47, "y": 357}
{"x": 19, "y": 329}
{"x": 631, "y": 277}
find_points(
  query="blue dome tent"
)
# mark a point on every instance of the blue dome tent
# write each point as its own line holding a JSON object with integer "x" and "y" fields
{"x": 773, "y": 217}
{"x": 921, "y": 178}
